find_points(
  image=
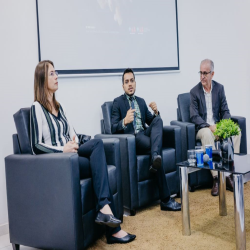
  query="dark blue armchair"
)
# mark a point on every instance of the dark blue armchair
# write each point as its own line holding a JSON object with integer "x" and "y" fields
{"x": 138, "y": 184}
{"x": 188, "y": 141}
{"x": 51, "y": 201}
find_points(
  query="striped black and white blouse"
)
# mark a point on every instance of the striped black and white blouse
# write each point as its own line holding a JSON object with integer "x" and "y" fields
{"x": 49, "y": 133}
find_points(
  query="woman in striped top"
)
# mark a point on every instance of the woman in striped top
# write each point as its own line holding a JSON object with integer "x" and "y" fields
{"x": 51, "y": 132}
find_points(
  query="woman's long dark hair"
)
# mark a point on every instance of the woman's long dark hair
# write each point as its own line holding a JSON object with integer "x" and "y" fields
{"x": 41, "y": 91}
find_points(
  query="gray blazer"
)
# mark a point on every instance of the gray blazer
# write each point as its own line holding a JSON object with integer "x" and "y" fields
{"x": 198, "y": 110}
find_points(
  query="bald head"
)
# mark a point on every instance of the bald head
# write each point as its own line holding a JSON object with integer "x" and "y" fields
{"x": 209, "y": 62}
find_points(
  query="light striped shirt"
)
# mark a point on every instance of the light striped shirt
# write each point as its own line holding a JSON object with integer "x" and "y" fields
{"x": 49, "y": 133}
{"x": 208, "y": 99}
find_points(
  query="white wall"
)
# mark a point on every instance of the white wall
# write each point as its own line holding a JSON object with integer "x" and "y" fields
{"x": 18, "y": 58}
{"x": 207, "y": 29}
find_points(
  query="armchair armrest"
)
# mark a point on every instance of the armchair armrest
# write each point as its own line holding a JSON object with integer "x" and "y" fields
{"x": 128, "y": 167}
{"x": 242, "y": 124}
{"x": 43, "y": 193}
{"x": 172, "y": 139}
{"x": 187, "y": 136}
{"x": 102, "y": 126}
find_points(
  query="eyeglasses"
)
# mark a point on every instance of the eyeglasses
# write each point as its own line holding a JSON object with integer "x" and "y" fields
{"x": 52, "y": 73}
{"x": 204, "y": 73}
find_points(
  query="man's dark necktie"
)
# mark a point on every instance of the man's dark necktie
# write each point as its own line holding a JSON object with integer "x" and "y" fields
{"x": 133, "y": 107}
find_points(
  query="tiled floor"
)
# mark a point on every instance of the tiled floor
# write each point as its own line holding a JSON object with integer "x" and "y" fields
{"x": 5, "y": 244}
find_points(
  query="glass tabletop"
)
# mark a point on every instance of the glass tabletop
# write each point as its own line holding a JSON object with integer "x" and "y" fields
{"x": 240, "y": 165}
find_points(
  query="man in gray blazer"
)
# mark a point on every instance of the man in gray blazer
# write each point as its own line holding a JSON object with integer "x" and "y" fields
{"x": 208, "y": 105}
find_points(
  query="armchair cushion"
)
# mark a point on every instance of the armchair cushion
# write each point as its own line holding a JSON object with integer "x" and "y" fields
{"x": 87, "y": 194}
{"x": 16, "y": 145}
{"x": 22, "y": 121}
{"x": 168, "y": 160}
{"x": 112, "y": 179}
{"x": 242, "y": 124}
{"x": 183, "y": 106}
{"x": 144, "y": 162}
{"x": 187, "y": 136}
{"x": 107, "y": 111}
{"x": 172, "y": 139}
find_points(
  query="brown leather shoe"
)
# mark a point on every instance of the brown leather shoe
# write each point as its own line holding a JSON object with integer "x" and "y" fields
{"x": 230, "y": 183}
{"x": 215, "y": 188}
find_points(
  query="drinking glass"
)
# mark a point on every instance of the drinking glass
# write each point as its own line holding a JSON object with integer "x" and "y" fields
{"x": 198, "y": 147}
{"x": 191, "y": 156}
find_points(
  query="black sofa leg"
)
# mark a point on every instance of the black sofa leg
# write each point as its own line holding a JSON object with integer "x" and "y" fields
{"x": 15, "y": 246}
{"x": 191, "y": 189}
{"x": 132, "y": 212}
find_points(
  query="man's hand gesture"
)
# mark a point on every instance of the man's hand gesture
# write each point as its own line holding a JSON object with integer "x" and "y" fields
{"x": 129, "y": 117}
{"x": 153, "y": 106}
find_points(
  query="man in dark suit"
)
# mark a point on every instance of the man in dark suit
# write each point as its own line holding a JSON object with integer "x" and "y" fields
{"x": 208, "y": 105}
{"x": 130, "y": 115}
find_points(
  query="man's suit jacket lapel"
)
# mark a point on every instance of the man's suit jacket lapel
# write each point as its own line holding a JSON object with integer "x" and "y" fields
{"x": 126, "y": 103}
{"x": 124, "y": 113}
{"x": 214, "y": 96}
{"x": 141, "y": 106}
{"x": 202, "y": 98}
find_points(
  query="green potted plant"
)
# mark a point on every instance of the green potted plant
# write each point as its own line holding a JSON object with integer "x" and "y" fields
{"x": 225, "y": 129}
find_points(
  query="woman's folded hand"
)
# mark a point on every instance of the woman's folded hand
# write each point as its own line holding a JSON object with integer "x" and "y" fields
{"x": 71, "y": 147}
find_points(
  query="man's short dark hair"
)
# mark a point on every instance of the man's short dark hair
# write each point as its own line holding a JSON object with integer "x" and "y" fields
{"x": 128, "y": 70}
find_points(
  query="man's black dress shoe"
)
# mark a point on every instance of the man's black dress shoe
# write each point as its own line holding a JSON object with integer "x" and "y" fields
{"x": 215, "y": 188}
{"x": 126, "y": 239}
{"x": 171, "y": 205}
{"x": 230, "y": 183}
{"x": 107, "y": 220}
{"x": 156, "y": 163}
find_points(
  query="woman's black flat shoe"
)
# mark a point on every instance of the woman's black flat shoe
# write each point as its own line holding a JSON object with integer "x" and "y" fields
{"x": 107, "y": 220}
{"x": 126, "y": 239}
